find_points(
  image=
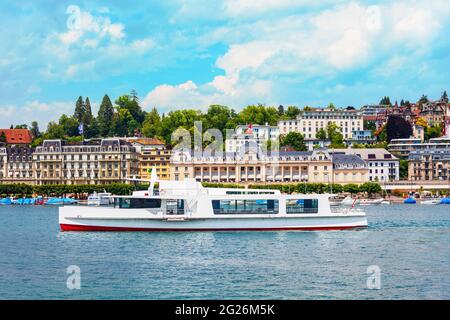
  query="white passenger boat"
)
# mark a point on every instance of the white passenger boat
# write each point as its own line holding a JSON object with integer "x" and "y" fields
{"x": 99, "y": 199}
{"x": 188, "y": 206}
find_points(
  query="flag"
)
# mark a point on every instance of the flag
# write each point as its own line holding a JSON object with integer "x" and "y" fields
{"x": 249, "y": 129}
{"x": 80, "y": 128}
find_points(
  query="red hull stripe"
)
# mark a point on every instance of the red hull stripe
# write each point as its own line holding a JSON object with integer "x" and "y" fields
{"x": 72, "y": 227}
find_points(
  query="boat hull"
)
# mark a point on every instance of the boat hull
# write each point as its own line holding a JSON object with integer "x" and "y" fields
{"x": 212, "y": 224}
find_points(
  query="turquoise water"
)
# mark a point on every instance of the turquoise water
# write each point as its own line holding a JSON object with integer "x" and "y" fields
{"x": 409, "y": 243}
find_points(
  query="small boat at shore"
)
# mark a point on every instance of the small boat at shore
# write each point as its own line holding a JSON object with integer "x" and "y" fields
{"x": 445, "y": 200}
{"x": 100, "y": 199}
{"x": 60, "y": 201}
{"x": 410, "y": 200}
{"x": 430, "y": 201}
{"x": 370, "y": 202}
{"x": 188, "y": 206}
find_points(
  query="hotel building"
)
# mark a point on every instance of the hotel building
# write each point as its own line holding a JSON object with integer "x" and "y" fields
{"x": 313, "y": 166}
{"x": 251, "y": 136}
{"x": 18, "y": 167}
{"x": 152, "y": 154}
{"x": 309, "y": 123}
{"x": 92, "y": 162}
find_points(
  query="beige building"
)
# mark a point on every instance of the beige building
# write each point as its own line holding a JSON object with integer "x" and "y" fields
{"x": 429, "y": 164}
{"x": 349, "y": 168}
{"x": 92, "y": 162}
{"x": 310, "y": 166}
{"x": 152, "y": 154}
{"x": 3, "y": 162}
{"x": 309, "y": 123}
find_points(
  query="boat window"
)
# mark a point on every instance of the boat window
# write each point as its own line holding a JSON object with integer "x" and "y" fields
{"x": 245, "y": 206}
{"x": 302, "y": 206}
{"x": 126, "y": 203}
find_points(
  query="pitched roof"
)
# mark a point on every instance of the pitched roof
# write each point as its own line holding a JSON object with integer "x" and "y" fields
{"x": 17, "y": 136}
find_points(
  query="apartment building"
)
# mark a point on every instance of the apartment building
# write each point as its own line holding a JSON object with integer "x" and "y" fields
{"x": 403, "y": 147}
{"x": 309, "y": 123}
{"x": 3, "y": 162}
{"x": 289, "y": 166}
{"x": 152, "y": 154}
{"x": 18, "y": 167}
{"x": 91, "y": 162}
{"x": 382, "y": 165}
{"x": 429, "y": 164}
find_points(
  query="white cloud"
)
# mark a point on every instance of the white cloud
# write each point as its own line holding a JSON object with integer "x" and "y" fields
{"x": 35, "y": 110}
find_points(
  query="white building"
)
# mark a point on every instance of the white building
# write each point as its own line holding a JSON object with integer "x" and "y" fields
{"x": 309, "y": 123}
{"x": 251, "y": 136}
{"x": 383, "y": 166}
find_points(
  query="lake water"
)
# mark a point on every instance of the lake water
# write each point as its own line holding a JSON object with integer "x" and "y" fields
{"x": 409, "y": 243}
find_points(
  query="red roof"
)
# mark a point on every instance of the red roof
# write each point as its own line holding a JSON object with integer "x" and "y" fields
{"x": 17, "y": 136}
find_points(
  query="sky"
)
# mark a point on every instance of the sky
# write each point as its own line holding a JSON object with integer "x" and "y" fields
{"x": 190, "y": 54}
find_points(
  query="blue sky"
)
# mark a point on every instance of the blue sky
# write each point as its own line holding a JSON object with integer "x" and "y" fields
{"x": 190, "y": 54}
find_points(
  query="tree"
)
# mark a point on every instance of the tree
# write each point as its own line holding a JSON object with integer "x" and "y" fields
{"x": 152, "y": 124}
{"x": 105, "y": 116}
{"x": 335, "y": 136}
{"x": 433, "y": 132}
{"x": 3, "y": 137}
{"x": 35, "y": 129}
{"x": 295, "y": 140}
{"x": 132, "y": 105}
{"x": 397, "y": 128}
{"x": 369, "y": 125}
{"x": 21, "y": 126}
{"x": 258, "y": 114}
{"x": 385, "y": 101}
{"x": 69, "y": 125}
{"x": 79, "y": 110}
{"x": 178, "y": 119}
{"x": 292, "y": 112}
{"x": 423, "y": 99}
{"x": 331, "y": 106}
{"x": 280, "y": 110}
{"x": 321, "y": 134}
{"x": 54, "y": 131}
{"x": 403, "y": 169}
{"x": 123, "y": 123}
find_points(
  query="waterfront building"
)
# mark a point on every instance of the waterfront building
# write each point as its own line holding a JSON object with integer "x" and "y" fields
{"x": 403, "y": 147}
{"x": 433, "y": 112}
{"x": 285, "y": 166}
{"x": 248, "y": 136}
{"x": 429, "y": 164}
{"x": 382, "y": 165}
{"x": 90, "y": 162}
{"x": 19, "y": 165}
{"x": 152, "y": 154}
{"x": 349, "y": 168}
{"x": 3, "y": 163}
{"x": 310, "y": 122}
{"x": 361, "y": 137}
{"x": 312, "y": 144}
{"x": 16, "y": 136}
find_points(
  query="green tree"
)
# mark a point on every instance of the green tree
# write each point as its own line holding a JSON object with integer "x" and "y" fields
{"x": 444, "y": 97}
{"x": 178, "y": 119}
{"x": 105, "y": 116}
{"x": 423, "y": 99}
{"x": 80, "y": 110}
{"x": 433, "y": 132}
{"x": 281, "y": 110}
{"x": 258, "y": 114}
{"x": 152, "y": 124}
{"x": 219, "y": 117}
{"x": 331, "y": 106}
{"x": 385, "y": 101}
{"x": 132, "y": 105}
{"x": 321, "y": 134}
{"x": 403, "y": 169}
{"x": 3, "y": 137}
{"x": 335, "y": 136}
{"x": 123, "y": 123}
{"x": 69, "y": 125}
{"x": 295, "y": 140}
{"x": 21, "y": 126}
{"x": 35, "y": 129}
{"x": 54, "y": 131}
{"x": 292, "y": 112}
